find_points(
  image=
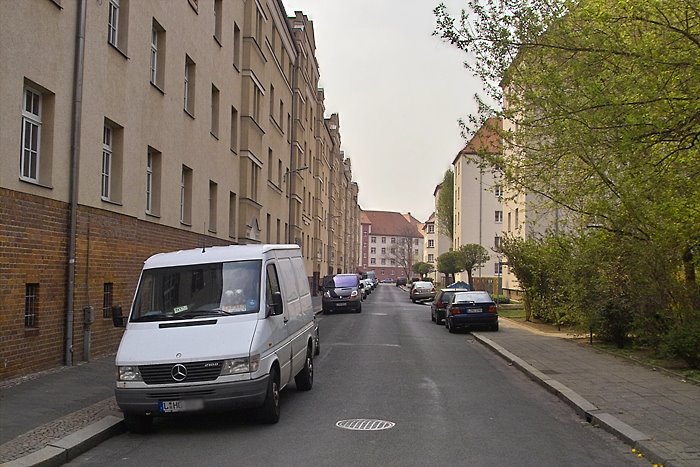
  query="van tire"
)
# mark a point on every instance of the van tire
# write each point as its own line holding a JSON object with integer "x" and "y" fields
{"x": 270, "y": 410}
{"x": 305, "y": 378}
{"x": 359, "y": 308}
{"x": 136, "y": 423}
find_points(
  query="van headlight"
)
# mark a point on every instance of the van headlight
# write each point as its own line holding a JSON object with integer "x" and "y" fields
{"x": 234, "y": 366}
{"x": 353, "y": 293}
{"x": 327, "y": 294}
{"x": 128, "y": 373}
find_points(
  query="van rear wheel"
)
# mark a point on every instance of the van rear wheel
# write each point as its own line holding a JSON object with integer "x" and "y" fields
{"x": 270, "y": 410}
{"x": 305, "y": 378}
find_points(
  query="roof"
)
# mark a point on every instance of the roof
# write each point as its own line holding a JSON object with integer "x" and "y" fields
{"x": 486, "y": 139}
{"x": 431, "y": 220}
{"x": 215, "y": 254}
{"x": 393, "y": 223}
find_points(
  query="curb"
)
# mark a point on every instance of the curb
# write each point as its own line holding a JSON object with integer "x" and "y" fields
{"x": 583, "y": 408}
{"x": 66, "y": 449}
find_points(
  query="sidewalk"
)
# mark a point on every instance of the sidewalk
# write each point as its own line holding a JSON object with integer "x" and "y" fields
{"x": 54, "y": 416}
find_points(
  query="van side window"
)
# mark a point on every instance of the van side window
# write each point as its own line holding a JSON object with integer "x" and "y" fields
{"x": 273, "y": 283}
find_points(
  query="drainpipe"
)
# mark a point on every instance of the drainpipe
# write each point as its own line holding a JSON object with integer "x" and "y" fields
{"x": 74, "y": 159}
{"x": 292, "y": 164}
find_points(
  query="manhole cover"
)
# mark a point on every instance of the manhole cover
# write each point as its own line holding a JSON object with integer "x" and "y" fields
{"x": 365, "y": 424}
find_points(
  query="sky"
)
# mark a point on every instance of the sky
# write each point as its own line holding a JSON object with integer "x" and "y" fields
{"x": 399, "y": 93}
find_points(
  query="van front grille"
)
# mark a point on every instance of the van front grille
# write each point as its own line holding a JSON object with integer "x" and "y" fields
{"x": 191, "y": 372}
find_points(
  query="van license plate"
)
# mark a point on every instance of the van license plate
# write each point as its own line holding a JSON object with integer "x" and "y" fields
{"x": 341, "y": 304}
{"x": 180, "y": 406}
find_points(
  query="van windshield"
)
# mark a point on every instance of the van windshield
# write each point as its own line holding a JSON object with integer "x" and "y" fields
{"x": 339, "y": 281}
{"x": 195, "y": 291}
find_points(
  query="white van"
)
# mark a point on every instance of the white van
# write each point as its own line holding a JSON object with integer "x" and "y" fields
{"x": 215, "y": 329}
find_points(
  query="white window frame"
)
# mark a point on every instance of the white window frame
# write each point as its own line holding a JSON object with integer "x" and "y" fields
{"x": 31, "y": 123}
{"x": 154, "y": 56}
{"x": 187, "y": 86}
{"x": 431, "y": 243}
{"x": 107, "y": 148}
{"x": 498, "y": 217}
{"x": 149, "y": 181}
{"x": 182, "y": 196}
{"x": 113, "y": 23}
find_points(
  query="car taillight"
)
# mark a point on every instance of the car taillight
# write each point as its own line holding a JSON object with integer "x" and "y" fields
{"x": 493, "y": 309}
{"x": 440, "y": 304}
{"x": 454, "y": 311}
{"x": 432, "y": 290}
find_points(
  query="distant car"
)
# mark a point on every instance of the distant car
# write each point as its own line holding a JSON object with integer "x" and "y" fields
{"x": 437, "y": 308}
{"x": 341, "y": 292}
{"x": 422, "y": 291}
{"x": 367, "y": 289}
{"x": 400, "y": 281}
{"x": 470, "y": 309}
{"x": 387, "y": 281}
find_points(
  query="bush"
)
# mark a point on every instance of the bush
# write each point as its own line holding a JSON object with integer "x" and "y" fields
{"x": 683, "y": 341}
{"x": 500, "y": 299}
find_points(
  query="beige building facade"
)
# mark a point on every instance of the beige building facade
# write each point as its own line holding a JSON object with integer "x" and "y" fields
{"x": 169, "y": 124}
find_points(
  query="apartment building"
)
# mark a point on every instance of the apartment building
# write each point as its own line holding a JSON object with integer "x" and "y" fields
{"x": 168, "y": 124}
{"x": 435, "y": 242}
{"x": 391, "y": 243}
{"x": 478, "y": 193}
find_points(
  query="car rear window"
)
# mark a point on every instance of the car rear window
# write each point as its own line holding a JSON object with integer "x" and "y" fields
{"x": 461, "y": 297}
{"x": 423, "y": 285}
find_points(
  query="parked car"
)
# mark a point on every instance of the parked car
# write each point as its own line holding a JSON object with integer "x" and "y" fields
{"x": 422, "y": 291}
{"x": 400, "y": 281}
{"x": 468, "y": 309}
{"x": 341, "y": 292}
{"x": 443, "y": 297}
{"x": 367, "y": 289}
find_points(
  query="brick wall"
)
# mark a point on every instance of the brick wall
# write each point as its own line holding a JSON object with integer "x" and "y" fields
{"x": 111, "y": 248}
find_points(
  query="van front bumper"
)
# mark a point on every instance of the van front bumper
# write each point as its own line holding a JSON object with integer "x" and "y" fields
{"x": 215, "y": 397}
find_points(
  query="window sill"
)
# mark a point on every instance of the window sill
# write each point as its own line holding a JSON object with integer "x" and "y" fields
{"x": 214, "y": 135}
{"x": 237, "y": 68}
{"x": 154, "y": 215}
{"x": 120, "y": 51}
{"x": 194, "y": 6}
{"x": 218, "y": 40}
{"x": 109, "y": 201}
{"x": 186, "y": 224}
{"x": 158, "y": 88}
{"x": 58, "y": 4}
{"x": 36, "y": 183}
{"x": 233, "y": 151}
{"x": 188, "y": 113}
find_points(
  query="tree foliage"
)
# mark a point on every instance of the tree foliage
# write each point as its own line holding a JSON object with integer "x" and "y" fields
{"x": 473, "y": 256}
{"x": 450, "y": 263}
{"x": 422, "y": 268}
{"x": 445, "y": 205}
{"x": 600, "y": 101}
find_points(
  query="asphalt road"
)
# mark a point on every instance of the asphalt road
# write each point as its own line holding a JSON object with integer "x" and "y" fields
{"x": 452, "y": 401}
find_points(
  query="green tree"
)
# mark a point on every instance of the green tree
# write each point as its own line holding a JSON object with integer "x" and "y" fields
{"x": 445, "y": 205}
{"x": 601, "y": 122}
{"x": 423, "y": 268}
{"x": 473, "y": 256}
{"x": 450, "y": 263}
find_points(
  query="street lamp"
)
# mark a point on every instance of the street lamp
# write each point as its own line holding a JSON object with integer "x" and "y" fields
{"x": 287, "y": 177}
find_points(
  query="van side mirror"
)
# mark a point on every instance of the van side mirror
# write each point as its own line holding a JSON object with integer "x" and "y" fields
{"x": 276, "y": 307}
{"x": 117, "y": 319}
{"x": 362, "y": 285}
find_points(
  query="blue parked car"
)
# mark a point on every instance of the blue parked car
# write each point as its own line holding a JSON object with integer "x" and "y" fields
{"x": 471, "y": 309}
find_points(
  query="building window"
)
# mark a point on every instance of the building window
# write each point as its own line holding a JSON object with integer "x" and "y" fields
{"x": 373, "y": 250}
{"x": 431, "y": 228}
{"x": 509, "y": 218}
{"x": 157, "y": 55}
{"x": 153, "y": 172}
{"x": 215, "y": 111}
{"x": 393, "y": 240}
{"x": 31, "y": 135}
{"x": 497, "y": 242}
{"x": 107, "y": 139}
{"x": 431, "y": 243}
{"x": 279, "y": 172}
{"x": 236, "y": 46}
{"x": 234, "y": 130}
{"x": 415, "y": 252}
{"x": 383, "y": 239}
{"x": 498, "y": 190}
{"x": 217, "y": 20}
{"x": 384, "y": 261}
{"x": 107, "y": 300}
{"x": 498, "y": 268}
{"x": 393, "y": 261}
{"x": 431, "y": 258}
{"x": 373, "y": 261}
{"x": 213, "y": 205}
{"x": 415, "y": 241}
{"x": 31, "y": 297}
{"x": 383, "y": 251}
{"x": 272, "y": 103}
{"x": 190, "y": 76}
{"x": 117, "y": 23}
{"x": 259, "y": 27}
{"x": 257, "y": 100}
{"x": 373, "y": 239}
{"x": 517, "y": 217}
{"x": 186, "y": 195}
{"x": 498, "y": 217}
{"x": 254, "y": 180}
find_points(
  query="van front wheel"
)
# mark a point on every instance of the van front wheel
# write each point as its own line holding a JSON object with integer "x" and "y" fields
{"x": 305, "y": 378}
{"x": 270, "y": 410}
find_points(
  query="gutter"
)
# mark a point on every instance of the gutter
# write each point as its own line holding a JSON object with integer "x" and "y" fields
{"x": 74, "y": 174}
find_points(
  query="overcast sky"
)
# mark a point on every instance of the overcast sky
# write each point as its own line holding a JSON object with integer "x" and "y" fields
{"x": 398, "y": 91}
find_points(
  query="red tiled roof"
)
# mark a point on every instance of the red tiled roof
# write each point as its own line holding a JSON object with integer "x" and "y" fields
{"x": 486, "y": 139}
{"x": 393, "y": 223}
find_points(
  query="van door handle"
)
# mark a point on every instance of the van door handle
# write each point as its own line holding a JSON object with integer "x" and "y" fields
{"x": 285, "y": 320}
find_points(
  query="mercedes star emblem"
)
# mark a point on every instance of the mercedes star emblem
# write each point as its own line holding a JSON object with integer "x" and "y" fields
{"x": 179, "y": 372}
